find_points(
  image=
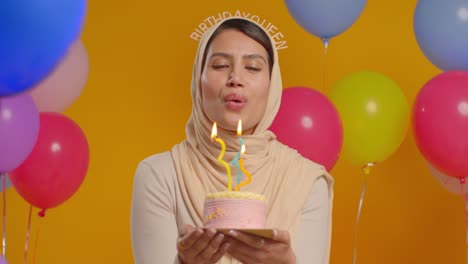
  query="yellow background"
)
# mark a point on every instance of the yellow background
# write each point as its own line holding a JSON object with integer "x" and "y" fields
{"x": 137, "y": 102}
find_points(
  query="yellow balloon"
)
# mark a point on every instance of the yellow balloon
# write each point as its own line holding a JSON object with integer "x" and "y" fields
{"x": 375, "y": 116}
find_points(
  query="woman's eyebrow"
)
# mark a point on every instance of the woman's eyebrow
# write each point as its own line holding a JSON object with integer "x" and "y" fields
{"x": 255, "y": 56}
{"x": 221, "y": 54}
{"x": 247, "y": 56}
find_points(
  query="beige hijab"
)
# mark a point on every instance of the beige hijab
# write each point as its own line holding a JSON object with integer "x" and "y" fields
{"x": 279, "y": 173}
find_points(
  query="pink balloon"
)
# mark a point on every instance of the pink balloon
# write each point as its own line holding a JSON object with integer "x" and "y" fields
{"x": 308, "y": 122}
{"x": 64, "y": 85}
{"x": 440, "y": 120}
{"x": 57, "y": 165}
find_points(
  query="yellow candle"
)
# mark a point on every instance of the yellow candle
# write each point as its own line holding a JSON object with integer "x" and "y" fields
{"x": 249, "y": 176}
{"x": 214, "y": 136}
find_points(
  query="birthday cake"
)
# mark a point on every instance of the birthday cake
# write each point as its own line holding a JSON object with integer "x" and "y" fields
{"x": 234, "y": 210}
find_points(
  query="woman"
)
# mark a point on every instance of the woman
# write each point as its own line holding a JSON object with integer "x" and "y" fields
{"x": 236, "y": 76}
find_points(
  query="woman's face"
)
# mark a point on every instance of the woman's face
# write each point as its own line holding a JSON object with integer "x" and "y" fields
{"x": 235, "y": 81}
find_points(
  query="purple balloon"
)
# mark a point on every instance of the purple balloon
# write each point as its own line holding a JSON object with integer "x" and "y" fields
{"x": 19, "y": 128}
{"x": 3, "y": 260}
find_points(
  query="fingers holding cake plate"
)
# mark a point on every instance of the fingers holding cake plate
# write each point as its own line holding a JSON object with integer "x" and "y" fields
{"x": 248, "y": 239}
{"x": 187, "y": 237}
{"x": 214, "y": 250}
{"x": 249, "y": 248}
{"x": 197, "y": 245}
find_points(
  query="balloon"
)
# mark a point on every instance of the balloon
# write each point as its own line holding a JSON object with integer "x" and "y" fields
{"x": 7, "y": 181}
{"x": 308, "y": 122}
{"x": 34, "y": 37}
{"x": 57, "y": 165}
{"x": 19, "y": 126}
{"x": 64, "y": 85}
{"x": 440, "y": 120}
{"x": 451, "y": 184}
{"x": 441, "y": 29}
{"x": 325, "y": 18}
{"x": 374, "y": 113}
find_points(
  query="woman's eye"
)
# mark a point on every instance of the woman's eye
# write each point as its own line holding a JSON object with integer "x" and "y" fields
{"x": 251, "y": 68}
{"x": 219, "y": 66}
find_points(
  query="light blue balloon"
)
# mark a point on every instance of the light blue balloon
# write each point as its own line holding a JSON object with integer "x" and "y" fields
{"x": 325, "y": 18}
{"x": 441, "y": 29}
{"x": 8, "y": 182}
{"x": 34, "y": 36}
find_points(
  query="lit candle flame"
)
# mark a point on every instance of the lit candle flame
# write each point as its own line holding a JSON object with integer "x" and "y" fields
{"x": 243, "y": 149}
{"x": 214, "y": 131}
{"x": 239, "y": 128}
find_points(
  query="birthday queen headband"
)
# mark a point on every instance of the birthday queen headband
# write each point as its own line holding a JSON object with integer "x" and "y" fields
{"x": 272, "y": 30}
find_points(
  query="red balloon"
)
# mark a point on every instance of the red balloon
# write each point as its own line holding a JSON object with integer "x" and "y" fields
{"x": 308, "y": 122}
{"x": 56, "y": 167}
{"x": 440, "y": 122}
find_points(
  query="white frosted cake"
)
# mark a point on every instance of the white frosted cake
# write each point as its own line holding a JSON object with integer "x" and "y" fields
{"x": 234, "y": 210}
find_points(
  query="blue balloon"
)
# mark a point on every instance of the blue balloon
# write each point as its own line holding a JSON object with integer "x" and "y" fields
{"x": 325, "y": 18}
{"x": 8, "y": 182}
{"x": 34, "y": 36}
{"x": 441, "y": 29}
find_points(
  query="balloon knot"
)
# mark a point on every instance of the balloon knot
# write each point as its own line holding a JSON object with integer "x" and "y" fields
{"x": 367, "y": 167}
{"x": 42, "y": 213}
{"x": 325, "y": 42}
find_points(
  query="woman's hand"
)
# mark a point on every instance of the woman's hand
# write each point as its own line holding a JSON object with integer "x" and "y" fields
{"x": 249, "y": 248}
{"x": 199, "y": 246}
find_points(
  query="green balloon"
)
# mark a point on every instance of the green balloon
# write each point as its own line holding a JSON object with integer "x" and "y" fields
{"x": 375, "y": 116}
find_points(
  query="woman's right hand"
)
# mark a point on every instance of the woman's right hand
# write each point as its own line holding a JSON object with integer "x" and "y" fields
{"x": 200, "y": 246}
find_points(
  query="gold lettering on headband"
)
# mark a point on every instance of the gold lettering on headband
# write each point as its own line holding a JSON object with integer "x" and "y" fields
{"x": 272, "y": 30}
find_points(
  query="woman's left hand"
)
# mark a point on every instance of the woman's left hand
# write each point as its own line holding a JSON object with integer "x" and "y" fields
{"x": 249, "y": 248}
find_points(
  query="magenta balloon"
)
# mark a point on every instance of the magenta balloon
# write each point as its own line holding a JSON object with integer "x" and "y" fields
{"x": 19, "y": 128}
{"x": 308, "y": 122}
{"x": 440, "y": 120}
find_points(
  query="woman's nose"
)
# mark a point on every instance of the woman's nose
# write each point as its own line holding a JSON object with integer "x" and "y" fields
{"x": 234, "y": 79}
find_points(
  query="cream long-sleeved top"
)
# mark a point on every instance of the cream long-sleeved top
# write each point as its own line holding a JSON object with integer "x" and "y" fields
{"x": 158, "y": 211}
